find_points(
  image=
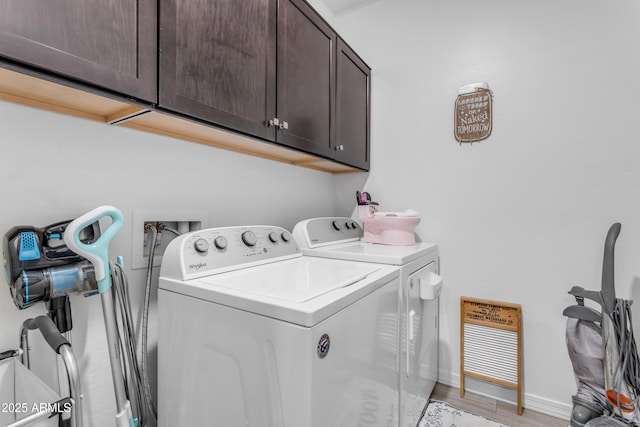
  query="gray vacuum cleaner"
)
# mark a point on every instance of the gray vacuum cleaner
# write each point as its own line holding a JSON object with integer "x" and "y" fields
{"x": 603, "y": 352}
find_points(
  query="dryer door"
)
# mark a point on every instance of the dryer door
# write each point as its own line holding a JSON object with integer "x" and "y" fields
{"x": 422, "y": 295}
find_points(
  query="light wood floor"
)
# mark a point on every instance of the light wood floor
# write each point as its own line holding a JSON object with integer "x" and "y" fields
{"x": 495, "y": 410}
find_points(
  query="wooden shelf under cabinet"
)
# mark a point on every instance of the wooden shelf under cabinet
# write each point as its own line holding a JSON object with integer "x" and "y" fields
{"x": 34, "y": 92}
{"x": 176, "y": 127}
{"x": 39, "y": 93}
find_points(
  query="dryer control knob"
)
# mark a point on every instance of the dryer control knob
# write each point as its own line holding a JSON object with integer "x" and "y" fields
{"x": 249, "y": 238}
{"x": 201, "y": 246}
{"x": 273, "y": 237}
{"x": 336, "y": 225}
{"x": 220, "y": 242}
{"x": 286, "y": 236}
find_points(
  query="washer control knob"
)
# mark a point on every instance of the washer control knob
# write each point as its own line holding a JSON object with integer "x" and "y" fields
{"x": 336, "y": 225}
{"x": 286, "y": 236}
{"x": 249, "y": 238}
{"x": 220, "y": 242}
{"x": 201, "y": 246}
{"x": 273, "y": 237}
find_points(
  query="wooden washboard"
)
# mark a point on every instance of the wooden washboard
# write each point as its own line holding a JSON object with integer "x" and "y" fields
{"x": 491, "y": 343}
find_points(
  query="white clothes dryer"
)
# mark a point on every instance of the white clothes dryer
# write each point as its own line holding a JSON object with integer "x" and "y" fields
{"x": 253, "y": 334}
{"x": 418, "y": 296}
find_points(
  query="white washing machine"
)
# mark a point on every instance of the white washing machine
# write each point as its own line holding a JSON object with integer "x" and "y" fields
{"x": 253, "y": 334}
{"x": 419, "y": 290}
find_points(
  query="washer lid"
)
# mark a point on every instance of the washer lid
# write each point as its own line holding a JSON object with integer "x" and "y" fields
{"x": 303, "y": 290}
{"x": 371, "y": 252}
{"x": 297, "y": 282}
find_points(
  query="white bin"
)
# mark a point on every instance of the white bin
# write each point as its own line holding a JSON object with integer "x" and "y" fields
{"x": 23, "y": 394}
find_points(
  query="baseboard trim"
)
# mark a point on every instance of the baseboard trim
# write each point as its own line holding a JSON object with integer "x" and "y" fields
{"x": 530, "y": 401}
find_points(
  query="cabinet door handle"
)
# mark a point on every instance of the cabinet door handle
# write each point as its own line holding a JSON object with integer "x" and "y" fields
{"x": 277, "y": 123}
{"x": 340, "y": 148}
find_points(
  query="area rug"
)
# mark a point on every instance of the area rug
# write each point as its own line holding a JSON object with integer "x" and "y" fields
{"x": 441, "y": 414}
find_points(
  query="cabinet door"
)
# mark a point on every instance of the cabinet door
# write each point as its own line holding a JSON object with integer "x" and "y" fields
{"x": 353, "y": 108}
{"x": 217, "y": 62}
{"x": 109, "y": 44}
{"x": 306, "y": 78}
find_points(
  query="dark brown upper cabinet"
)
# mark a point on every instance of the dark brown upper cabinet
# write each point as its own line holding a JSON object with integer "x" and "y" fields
{"x": 262, "y": 67}
{"x": 306, "y": 79}
{"x": 218, "y": 62}
{"x": 353, "y": 108}
{"x": 269, "y": 69}
{"x": 111, "y": 44}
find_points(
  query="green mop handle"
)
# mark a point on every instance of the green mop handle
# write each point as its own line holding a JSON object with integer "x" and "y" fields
{"x": 98, "y": 253}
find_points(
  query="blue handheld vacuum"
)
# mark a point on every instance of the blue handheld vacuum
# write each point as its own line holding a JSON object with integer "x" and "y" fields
{"x": 40, "y": 267}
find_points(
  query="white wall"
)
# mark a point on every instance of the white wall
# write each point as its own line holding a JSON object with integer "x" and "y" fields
{"x": 56, "y": 167}
{"x": 522, "y": 216}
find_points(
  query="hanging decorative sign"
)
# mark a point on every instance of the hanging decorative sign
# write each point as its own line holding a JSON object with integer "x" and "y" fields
{"x": 473, "y": 113}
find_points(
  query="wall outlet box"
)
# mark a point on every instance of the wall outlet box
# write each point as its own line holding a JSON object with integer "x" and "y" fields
{"x": 181, "y": 221}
